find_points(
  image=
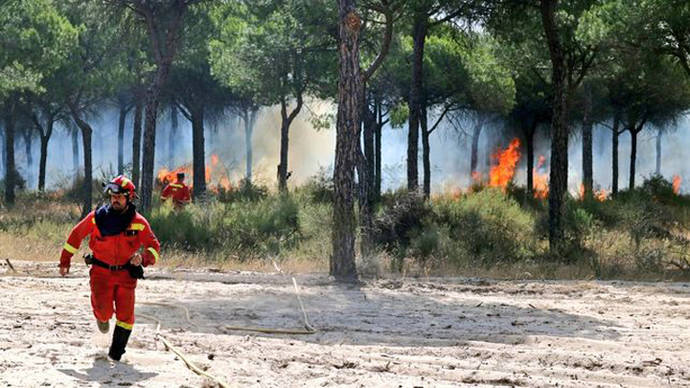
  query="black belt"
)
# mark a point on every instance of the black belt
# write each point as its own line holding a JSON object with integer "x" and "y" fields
{"x": 103, "y": 264}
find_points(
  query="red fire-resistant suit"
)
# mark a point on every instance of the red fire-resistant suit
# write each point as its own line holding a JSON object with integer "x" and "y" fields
{"x": 113, "y": 285}
{"x": 179, "y": 192}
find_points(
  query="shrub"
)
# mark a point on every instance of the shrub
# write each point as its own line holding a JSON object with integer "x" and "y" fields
{"x": 400, "y": 218}
{"x": 245, "y": 191}
{"x": 319, "y": 188}
{"x": 488, "y": 226}
{"x": 263, "y": 227}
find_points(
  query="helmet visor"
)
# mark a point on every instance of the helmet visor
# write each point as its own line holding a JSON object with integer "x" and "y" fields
{"x": 113, "y": 188}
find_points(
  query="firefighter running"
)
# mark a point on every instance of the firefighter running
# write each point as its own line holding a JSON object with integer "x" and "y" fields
{"x": 178, "y": 192}
{"x": 117, "y": 232}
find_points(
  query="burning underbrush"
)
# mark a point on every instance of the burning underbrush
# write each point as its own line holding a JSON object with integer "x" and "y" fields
{"x": 503, "y": 231}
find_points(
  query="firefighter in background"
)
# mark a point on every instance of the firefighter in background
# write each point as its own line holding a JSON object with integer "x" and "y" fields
{"x": 178, "y": 191}
{"x": 117, "y": 232}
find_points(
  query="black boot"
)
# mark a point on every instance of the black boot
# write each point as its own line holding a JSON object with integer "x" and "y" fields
{"x": 120, "y": 338}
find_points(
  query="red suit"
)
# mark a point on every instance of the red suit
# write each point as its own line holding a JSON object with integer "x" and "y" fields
{"x": 179, "y": 192}
{"x": 114, "y": 244}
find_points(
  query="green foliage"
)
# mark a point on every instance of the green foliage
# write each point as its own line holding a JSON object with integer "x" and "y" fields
{"x": 270, "y": 52}
{"x": 264, "y": 227}
{"x": 400, "y": 218}
{"x": 34, "y": 41}
{"x": 245, "y": 191}
{"x": 399, "y": 115}
{"x": 319, "y": 188}
{"x": 246, "y": 228}
{"x": 484, "y": 228}
{"x": 488, "y": 227}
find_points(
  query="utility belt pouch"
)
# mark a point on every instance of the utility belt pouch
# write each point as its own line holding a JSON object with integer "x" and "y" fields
{"x": 136, "y": 271}
{"x": 88, "y": 259}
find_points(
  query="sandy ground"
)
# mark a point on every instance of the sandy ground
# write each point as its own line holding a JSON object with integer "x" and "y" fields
{"x": 408, "y": 333}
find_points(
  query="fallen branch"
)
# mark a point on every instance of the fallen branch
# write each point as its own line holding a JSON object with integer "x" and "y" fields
{"x": 179, "y": 354}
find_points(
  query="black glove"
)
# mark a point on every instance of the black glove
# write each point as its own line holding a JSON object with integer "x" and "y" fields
{"x": 135, "y": 271}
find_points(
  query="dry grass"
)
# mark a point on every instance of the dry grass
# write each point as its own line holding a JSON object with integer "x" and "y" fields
{"x": 35, "y": 230}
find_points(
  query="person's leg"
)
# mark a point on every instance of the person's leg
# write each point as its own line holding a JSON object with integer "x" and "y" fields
{"x": 102, "y": 295}
{"x": 124, "y": 313}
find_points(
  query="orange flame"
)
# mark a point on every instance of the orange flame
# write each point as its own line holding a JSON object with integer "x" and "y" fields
{"x": 540, "y": 181}
{"x": 476, "y": 177}
{"x": 502, "y": 173}
{"x": 167, "y": 176}
{"x": 601, "y": 195}
{"x": 676, "y": 184}
{"x": 211, "y": 173}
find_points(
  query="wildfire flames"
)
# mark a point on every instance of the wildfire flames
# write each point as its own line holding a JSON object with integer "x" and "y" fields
{"x": 502, "y": 173}
{"x": 212, "y": 173}
{"x": 600, "y": 195}
{"x": 541, "y": 181}
{"x": 676, "y": 184}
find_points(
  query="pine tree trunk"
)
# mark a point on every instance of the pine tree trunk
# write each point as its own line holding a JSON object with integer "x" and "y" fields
{"x": 658, "y": 152}
{"x": 529, "y": 140}
{"x": 365, "y": 171}
{"x": 377, "y": 150}
{"x": 614, "y": 155}
{"x": 121, "y": 140}
{"x": 88, "y": 177}
{"x": 368, "y": 137}
{"x": 165, "y": 54}
{"x": 3, "y": 160}
{"x": 75, "y": 151}
{"x": 199, "y": 155}
{"x": 426, "y": 150}
{"x": 86, "y": 132}
{"x": 474, "y": 151}
{"x": 149, "y": 149}
{"x": 284, "y": 142}
{"x": 249, "y": 121}
{"x": 28, "y": 145}
{"x": 136, "y": 143}
{"x": 342, "y": 263}
{"x": 10, "y": 170}
{"x": 44, "y": 156}
{"x": 415, "y": 98}
{"x": 558, "y": 178}
{"x": 587, "y": 158}
{"x": 633, "y": 157}
{"x": 286, "y": 121}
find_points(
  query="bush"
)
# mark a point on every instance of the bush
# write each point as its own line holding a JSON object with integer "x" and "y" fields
{"x": 263, "y": 227}
{"x": 188, "y": 229}
{"x": 488, "y": 227}
{"x": 319, "y": 188}
{"x": 245, "y": 191}
{"x": 400, "y": 218}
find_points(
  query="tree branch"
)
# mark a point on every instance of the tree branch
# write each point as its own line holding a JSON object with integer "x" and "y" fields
{"x": 438, "y": 121}
{"x": 385, "y": 44}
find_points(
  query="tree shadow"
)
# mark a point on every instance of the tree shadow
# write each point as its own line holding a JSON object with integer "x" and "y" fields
{"x": 108, "y": 373}
{"x": 392, "y": 313}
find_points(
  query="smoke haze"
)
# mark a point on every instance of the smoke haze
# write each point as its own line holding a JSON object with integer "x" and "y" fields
{"x": 311, "y": 150}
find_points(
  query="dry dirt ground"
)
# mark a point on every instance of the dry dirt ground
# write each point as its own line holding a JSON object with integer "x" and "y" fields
{"x": 408, "y": 333}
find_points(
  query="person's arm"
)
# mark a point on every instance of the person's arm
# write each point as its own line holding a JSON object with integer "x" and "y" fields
{"x": 187, "y": 197}
{"x": 165, "y": 194}
{"x": 76, "y": 236}
{"x": 152, "y": 247}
